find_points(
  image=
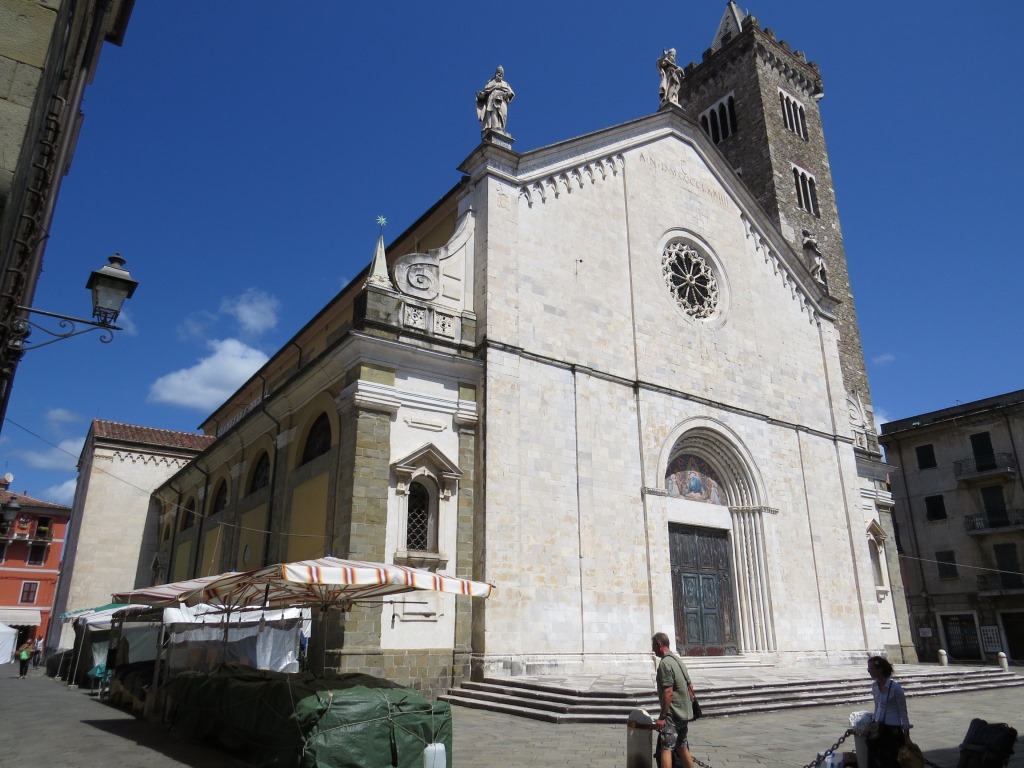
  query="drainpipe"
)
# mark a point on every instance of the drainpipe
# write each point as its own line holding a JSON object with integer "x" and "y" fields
{"x": 199, "y": 522}
{"x": 273, "y": 472}
{"x": 913, "y": 535}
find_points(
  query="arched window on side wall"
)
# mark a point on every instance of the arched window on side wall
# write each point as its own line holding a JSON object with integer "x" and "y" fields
{"x": 188, "y": 518}
{"x": 261, "y": 473}
{"x": 220, "y": 498}
{"x": 318, "y": 441}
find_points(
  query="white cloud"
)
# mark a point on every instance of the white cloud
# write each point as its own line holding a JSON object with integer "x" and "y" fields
{"x": 254, "y": 310}
{"x": 57, "y": 416}
{"x": 881, "y": 417}
{"x": 63, "y": 457}
{"x": 64, "y": 493}
{"x": 126, "y": 324}
{"x": 884, "y": 358}
{"x": 208, "y": 383}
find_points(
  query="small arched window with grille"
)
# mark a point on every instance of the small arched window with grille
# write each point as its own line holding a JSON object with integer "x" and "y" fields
{"x": 421, "y": 520}
{"x": 318, "y": 441}
{"x": 260, "y": 473}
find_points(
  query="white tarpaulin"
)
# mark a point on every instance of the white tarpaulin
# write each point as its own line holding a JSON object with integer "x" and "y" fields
{"x": 8, "y": 640}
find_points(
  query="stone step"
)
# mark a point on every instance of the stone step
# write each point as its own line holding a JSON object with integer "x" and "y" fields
{"x": 560, "y": 704}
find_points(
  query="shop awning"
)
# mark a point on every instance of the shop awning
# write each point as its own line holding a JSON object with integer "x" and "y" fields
{"x": 20, "y": 617}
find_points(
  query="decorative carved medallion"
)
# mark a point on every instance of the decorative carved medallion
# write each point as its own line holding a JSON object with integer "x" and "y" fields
{"x": 691, "y": 280}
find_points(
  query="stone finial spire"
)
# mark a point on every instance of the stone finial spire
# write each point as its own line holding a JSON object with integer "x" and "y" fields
{"x": 379, "y": 265}
{"x": 730, "y": 25}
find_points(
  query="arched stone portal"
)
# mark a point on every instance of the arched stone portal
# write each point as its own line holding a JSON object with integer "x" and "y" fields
{"x": 720, "y": 585}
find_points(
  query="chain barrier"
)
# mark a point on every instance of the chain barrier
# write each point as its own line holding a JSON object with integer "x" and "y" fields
{"x": 824, "y": 756}
{"x": 701, "y": 763}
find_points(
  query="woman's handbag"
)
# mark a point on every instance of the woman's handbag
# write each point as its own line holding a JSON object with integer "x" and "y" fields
{"x": 697, "y": 714}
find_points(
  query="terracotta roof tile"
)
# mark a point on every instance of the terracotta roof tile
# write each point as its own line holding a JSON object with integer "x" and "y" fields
{"x": 164, "y": 438}
{"x": 28, "y": 501}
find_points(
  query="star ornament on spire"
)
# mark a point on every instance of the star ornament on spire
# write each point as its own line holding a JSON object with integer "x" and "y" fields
{"x": 382, "y": 221}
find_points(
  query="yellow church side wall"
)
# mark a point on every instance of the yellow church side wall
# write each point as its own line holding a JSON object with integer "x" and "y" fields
{"x": 308, "y": 519}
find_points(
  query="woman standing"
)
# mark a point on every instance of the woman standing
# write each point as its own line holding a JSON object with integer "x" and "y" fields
{"x": 890, "y": 714}
{"x": 24, "y": 655}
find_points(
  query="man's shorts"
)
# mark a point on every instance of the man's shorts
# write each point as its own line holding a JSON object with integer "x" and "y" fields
{"x": 672, "y": 734}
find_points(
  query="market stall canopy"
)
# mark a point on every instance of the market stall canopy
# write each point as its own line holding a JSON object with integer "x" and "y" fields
{"x": 326, "y": 581}
{"x": 161, "y": 595}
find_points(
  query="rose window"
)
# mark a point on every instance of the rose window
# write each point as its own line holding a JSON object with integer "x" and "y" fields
{"x": 691, "y": 280}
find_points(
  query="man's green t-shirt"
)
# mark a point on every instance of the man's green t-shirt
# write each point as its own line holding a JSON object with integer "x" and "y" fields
{"x": 672, "y": 674}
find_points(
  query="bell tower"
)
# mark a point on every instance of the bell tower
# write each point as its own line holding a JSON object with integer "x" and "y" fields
{"x": 757, "y": 99}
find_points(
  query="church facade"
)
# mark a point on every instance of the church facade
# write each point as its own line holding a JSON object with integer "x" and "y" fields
{"x": 617, "y": 377}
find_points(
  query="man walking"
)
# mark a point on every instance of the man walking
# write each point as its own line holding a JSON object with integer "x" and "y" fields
{"x": 675, "y": 691}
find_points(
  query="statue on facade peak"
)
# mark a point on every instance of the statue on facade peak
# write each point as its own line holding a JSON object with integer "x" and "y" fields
{"x": 671, "y": 78}
{"x": 492, "y": 102}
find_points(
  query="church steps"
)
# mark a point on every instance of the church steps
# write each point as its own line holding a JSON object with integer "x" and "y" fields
{"x": 564, "y": 704}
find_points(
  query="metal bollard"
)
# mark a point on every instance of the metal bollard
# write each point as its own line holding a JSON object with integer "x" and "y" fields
{"x": 943, "y": 659}
{"x": 639, "y": 739}
{"x": 1003, "y": 663}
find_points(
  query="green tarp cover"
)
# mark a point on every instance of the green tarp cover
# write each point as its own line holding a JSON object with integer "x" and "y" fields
{"x": 279, "y": 719}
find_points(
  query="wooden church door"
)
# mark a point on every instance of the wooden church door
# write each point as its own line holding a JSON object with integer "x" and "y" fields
{"x": 702, "y": 594}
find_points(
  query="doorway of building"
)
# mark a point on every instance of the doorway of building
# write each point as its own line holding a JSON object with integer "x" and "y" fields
{"x": 702, "y": 591}
{"x": 961, "y": 634}
{"x": 1013, "y": 629}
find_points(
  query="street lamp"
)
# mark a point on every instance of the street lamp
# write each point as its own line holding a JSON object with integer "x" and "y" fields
{"x": 111, "y": 285}
{"x": 10, "y": 510}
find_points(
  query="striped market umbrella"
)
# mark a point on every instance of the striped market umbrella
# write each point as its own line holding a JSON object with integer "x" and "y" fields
{"x": 324, "y": 582}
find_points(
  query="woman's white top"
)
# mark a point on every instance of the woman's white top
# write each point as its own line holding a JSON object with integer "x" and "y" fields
{"x": 890, "y": 704}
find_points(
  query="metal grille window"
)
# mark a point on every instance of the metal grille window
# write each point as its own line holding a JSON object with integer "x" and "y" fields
{"x": 418, "y": 527}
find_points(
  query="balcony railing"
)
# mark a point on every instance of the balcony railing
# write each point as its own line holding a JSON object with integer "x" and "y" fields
{"x": 991, "y": 521}
{"x": 983, "y": 466}
{"x": 997, "y": 582}
{"x": 14, "y": 532}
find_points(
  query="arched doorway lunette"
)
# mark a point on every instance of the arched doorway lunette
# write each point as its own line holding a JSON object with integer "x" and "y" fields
{"x": 706, "y": 462}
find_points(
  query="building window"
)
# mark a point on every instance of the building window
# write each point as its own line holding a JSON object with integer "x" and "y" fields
{"x": 994, "y": 502}
{"x": 793, "y": 115}
{"x": 43, "y": 527}
{"x": 984, "y": 456}
{"x": 935, "y": 507}
{"x": 806, "y": 191}
{"x": 189, "y": 518}
{"x": 691, "y": 279}
{"x": 925, "y": 456}
{"x": 36, "y": 554}
{"x": 29, "y": 590}
{"x": 421, "y": 522}
{"x": 261, "y": 473}
{"x": 719, "y": 120}
{"x": 947, "y": 564}
{"x": 318, "y": 441}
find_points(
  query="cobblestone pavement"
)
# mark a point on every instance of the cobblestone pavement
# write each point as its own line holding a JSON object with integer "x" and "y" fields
{"x": 43, "y": 723}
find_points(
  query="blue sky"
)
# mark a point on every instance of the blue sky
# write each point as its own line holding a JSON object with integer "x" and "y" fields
{"x": 238, "y": 154}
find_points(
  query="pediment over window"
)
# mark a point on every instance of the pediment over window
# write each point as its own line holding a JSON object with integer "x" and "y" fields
{"x": 427, "y": 460}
